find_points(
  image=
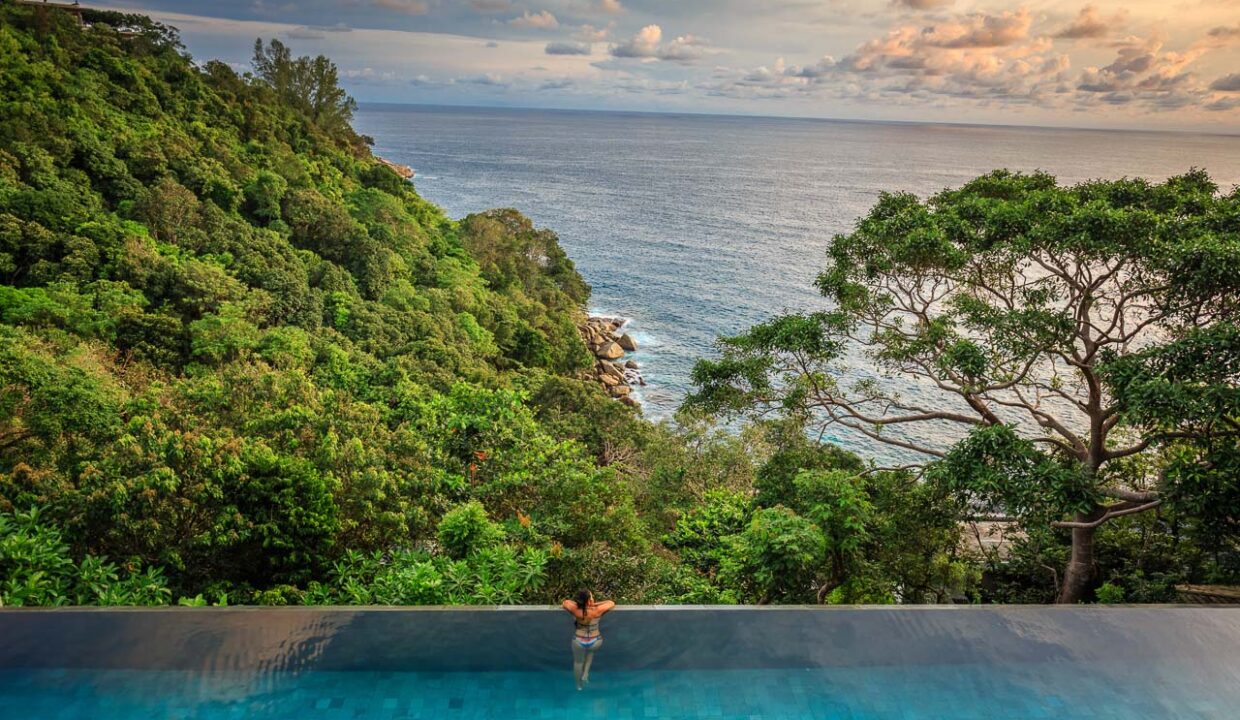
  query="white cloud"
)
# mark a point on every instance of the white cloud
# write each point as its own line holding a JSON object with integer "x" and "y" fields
{"x": 648, "y": 43}
{"x": 979, "y": 30}
{"x": 590, "y": 34}
{"x": 975, "y": 56}
{"x": 645, "y": 44}
{"x": 368, "y": 73}
{"x": 542, "y": 20}
{"x": 611, "y": 7}
{"x": 491, "y": 79}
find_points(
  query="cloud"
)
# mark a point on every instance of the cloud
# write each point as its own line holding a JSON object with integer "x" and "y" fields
{"x": 412, "y": 7}
{"x": 684, "y": 48}
{"x": 980, "y": 30}
{"x": 648, "y": 43}
{"x": 923, "y": 4}
{"x": 561, "y": 84}
{"x": 567, "y": 48}
{"x": 588, "y": 33}
{"x": 542, "y": 20}
{"x": 488, "y": 79}
{"x": 491, "y": 44}
{"x": 1222, "y": 35}
{"x": 990, "y": 58}
{"x": 304, "y": 33}
{"x": 1227, "y": 84}
{"x": 1089, "y": 24}
{"x": 1144, "y": 74}
{"x": 610, "y": 7}
{"x": 368, "y": 74}
{"x": 825, "y": 65}
{"x": 1224, "y": 104}
{"x": 645, "y": 44}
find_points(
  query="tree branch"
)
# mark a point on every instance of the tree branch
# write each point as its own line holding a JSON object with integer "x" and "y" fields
{"x": 1127, "y": 509}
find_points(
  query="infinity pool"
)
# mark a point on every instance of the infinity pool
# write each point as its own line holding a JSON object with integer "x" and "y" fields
{"x": 910, "y": 664}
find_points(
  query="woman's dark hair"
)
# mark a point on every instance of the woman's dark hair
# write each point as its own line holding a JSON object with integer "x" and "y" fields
{"x": 582, "y": 600}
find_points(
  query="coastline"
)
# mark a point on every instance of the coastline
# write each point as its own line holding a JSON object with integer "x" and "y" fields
{"x": 614, "y": 368}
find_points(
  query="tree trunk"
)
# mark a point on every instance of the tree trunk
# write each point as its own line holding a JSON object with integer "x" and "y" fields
{"x": 1080, "y": 570}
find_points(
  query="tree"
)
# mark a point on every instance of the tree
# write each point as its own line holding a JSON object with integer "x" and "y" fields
{"x": 776, "y": 556}
{"x": 311, "y": 85}
{"x": 1029, "y": 306}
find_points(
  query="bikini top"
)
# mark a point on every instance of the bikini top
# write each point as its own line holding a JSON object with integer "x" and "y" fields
{"x": 590, "y": 625}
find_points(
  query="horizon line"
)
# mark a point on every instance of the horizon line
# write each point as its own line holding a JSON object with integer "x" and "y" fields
{"x": 802, "y": 118}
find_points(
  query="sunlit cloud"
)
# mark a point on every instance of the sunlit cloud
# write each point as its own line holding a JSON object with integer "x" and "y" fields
{"x": 1102, "y": 62}
{"x": 590, "y": 34}
{"x": 542, "y": 20}
{"x": 610, "y": 7}
{"x": 648, "y": 44}
{"x": 1089, "y": 24}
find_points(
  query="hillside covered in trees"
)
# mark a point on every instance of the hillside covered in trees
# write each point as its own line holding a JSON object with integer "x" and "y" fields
{"x": 242, "y": 361}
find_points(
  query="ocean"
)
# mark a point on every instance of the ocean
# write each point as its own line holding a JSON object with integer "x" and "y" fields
{"x": 696, "y": 226}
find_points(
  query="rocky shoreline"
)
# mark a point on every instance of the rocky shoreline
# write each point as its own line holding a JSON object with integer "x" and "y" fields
{"x": 606, "y": 339}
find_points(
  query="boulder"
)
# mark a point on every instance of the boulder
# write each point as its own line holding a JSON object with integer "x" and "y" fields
{"x": 619, "y": 390}
{"x": 627, "y": 342}
{"x": 629, "y": 400}
{"x": 631, "y": 364}
{"x": 608, "y": 380}
{"x": 613, "y": 370}
{"x": 610, "y": 351}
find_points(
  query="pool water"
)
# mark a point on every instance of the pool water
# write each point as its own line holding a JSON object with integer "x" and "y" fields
{"x": 960, "y": 692}
{"x": 995, "y": 663}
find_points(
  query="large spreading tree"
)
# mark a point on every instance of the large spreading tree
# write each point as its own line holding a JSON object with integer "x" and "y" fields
{"x": 1068, "y": 355}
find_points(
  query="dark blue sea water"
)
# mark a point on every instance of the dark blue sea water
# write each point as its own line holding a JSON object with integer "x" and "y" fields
{"x": 696, "y": 226}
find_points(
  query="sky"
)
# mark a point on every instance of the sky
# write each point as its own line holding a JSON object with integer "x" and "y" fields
{"x": 1141, "y": 64}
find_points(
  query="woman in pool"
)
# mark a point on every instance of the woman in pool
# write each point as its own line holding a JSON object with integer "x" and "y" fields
{"x": 586, "y": 636}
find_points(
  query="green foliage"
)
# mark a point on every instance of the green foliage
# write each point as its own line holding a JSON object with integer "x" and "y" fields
{"x": 487, "y": 576}
{"x": 466, "y": 529}
{"x": 1109, "y": 594}
{"x": 240, "y": 350}
{"x": 777, "y": 555}
{"x": 36, "y": 568}
{"x": 702, "y": 535}
{"x": 1075, "y": 335}
{"x": 310, "y": 85}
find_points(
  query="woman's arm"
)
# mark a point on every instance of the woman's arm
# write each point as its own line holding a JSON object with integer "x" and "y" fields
{"x": 602, "y": 608}
{"x": 570, "y": 606}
